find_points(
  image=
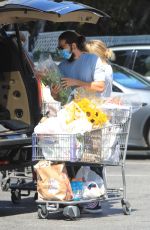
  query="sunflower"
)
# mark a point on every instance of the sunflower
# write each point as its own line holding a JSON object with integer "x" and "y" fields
{"x": 94, "y": 115}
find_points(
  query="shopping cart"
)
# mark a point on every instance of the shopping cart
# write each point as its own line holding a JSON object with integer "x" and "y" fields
{"x": 105, "y": 146}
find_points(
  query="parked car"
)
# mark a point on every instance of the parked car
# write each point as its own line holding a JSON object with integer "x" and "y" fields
{"x": 135, "y": 57}
{"x": 20, "y": 90}
{"x": 135, "y": 90}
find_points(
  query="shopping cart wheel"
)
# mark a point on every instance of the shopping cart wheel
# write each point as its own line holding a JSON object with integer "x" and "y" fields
{"x": 15, "y": 196}
{"x": 126, "y": 207}
{"x": 42, "y": 211}
{"x": 71, "y": 212}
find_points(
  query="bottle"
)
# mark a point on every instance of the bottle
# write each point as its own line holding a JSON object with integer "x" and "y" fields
{"x": 77, "y": 188}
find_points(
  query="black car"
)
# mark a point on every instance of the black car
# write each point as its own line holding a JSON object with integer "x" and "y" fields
{"x": 20, "y": 90}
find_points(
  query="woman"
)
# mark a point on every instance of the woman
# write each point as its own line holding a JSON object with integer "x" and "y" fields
{"x": 99, "y": 48}
{"x": 83, "y": 68}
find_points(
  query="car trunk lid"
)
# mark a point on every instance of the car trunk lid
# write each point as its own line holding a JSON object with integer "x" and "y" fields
{"x": 20, "y": 11}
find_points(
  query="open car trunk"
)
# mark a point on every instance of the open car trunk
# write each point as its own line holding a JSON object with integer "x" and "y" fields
{"x": 20, "y": 108}
{"x": 19, "y": 102}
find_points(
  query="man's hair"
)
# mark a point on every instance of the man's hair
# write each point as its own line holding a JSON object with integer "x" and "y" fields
{"x": 73, "y": 37}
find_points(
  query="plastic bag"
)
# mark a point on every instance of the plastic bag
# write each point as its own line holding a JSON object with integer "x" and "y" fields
{"x": 110, "y": 148}
{"x": 52, "y": 181}
{"x": 63, "y": 123}
{"x": 52, "y": 125}
{"x": 93, "y": 184}
{"x": 50, "y": 107}
{"x": 51, "y": 75}
{"x": 92, "y": 190}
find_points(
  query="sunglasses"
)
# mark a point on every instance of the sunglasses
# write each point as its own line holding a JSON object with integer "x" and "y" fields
{"x": 60, "y": 48}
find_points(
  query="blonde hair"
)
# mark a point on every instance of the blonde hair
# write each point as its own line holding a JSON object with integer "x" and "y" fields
{"x": 99, "y": 48}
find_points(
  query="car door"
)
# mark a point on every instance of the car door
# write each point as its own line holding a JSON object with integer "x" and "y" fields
{"x": 19, "y": 11}
{"x": 142, "y": 61}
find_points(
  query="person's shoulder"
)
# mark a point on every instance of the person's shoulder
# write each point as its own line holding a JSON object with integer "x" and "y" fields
{"x": 108, "y": 68}
{"x": 90, "y": 55}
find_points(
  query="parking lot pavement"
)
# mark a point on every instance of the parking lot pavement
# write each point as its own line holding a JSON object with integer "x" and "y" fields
{"x": 24, "y": 215}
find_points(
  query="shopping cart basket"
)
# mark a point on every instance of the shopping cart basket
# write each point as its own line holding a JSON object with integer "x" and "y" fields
{"x": 105, "y": 146}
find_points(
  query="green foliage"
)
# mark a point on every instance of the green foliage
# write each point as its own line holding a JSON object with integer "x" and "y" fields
{"x": 128, "y": 17}
{"x": 54, "y": 77}
{"x": 36, "y": 55}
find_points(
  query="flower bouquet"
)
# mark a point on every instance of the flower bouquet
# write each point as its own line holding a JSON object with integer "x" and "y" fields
{"x": 52, "y": 76}
{"x": 86, "y": 108}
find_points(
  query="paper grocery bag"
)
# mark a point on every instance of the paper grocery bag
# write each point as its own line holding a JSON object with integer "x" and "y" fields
{"x": 52, "y": 181}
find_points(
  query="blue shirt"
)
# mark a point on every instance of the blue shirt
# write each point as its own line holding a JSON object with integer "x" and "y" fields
{"x": 88, "y": 68}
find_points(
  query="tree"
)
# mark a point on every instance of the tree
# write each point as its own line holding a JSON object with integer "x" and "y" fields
{"x": 127, "y": 17}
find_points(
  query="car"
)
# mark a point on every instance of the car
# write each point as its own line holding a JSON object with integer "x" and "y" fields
{"x": 20, "y": 89}
{"x": 134, "y": 89}
{"x": 130, "y": 82}
{"x": 134, "y": 56}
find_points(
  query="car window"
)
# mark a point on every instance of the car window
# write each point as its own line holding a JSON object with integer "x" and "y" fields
{"x": 138, "y": 60}
{"x": 129, "y": 79}
{"x": 124, "y": 58}
{"x": 116, "y": 89}
{"x": 142, "y": 62}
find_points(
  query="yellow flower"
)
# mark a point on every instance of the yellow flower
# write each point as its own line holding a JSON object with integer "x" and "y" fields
{"x": 84, "y": 106}
{"x": 94, "y": 115}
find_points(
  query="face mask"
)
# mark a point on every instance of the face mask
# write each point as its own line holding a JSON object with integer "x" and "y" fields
{"x": 65, "y": 53}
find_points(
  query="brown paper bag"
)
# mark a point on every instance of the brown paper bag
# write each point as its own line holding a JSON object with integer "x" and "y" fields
{"x": 52, "y": 181}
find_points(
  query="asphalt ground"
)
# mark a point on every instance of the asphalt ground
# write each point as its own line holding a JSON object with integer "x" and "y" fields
{"x": 24, "y": 215}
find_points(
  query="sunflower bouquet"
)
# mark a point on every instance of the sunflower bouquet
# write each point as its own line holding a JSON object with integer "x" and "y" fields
{"x": 94, "y": 115}
{"x": 86, "y": 108}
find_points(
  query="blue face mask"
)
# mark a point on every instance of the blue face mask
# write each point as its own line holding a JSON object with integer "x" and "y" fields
{"x": 64, "y": 53}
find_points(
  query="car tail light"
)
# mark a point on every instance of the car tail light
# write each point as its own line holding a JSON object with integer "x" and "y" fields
{"x": 39, "y": 91}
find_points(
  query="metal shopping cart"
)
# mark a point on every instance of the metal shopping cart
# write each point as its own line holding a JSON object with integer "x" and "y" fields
{"x": 105, "y": 146}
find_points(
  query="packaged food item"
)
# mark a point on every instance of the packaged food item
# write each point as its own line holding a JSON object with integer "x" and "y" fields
{"x": 77, "y": 188}
{"x": 52, "y": 181}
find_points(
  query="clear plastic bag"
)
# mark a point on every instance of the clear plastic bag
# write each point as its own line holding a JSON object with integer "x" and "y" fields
{"x": 116, "y": 100}
{"x": 52, "y": 76}
{"x": 93, "y": 185}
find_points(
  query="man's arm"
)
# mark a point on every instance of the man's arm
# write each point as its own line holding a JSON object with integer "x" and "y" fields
{"x": 98, "y": 86}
